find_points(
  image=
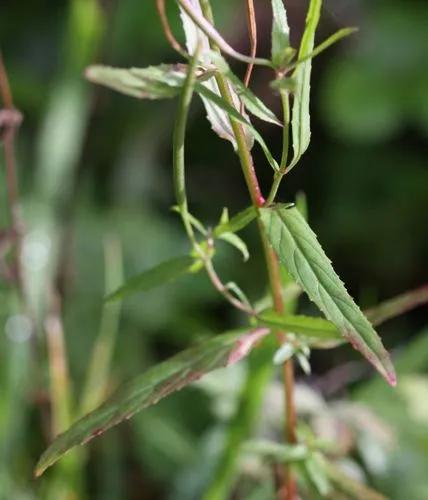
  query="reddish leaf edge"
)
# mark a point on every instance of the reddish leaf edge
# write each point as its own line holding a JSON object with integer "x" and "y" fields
{"x": 231, "y": 348}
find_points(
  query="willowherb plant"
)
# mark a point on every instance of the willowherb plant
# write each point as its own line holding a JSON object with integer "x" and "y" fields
{"x": 287, "y": 239}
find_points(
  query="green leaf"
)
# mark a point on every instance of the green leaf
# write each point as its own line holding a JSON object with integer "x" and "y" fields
{"x": 332, "y": 39}
{"x": 316, "y": 328}
{"x": 165, "y": 81}
{"x": 236, "y": 242}
{"x": 314, "y": 467}
{"x": 283, "y": 83}
{"x": 299, "y": 251}
{"x": 282, "y": 453}
{"x": 237, "y": 222}
{"x": 236, "y": 115}
{"x": 398, "y": 305}
{"x": 251, "y": 102}
{"x": 153, "y": 82}
{"x": 301, "y": 128}
{"x": 158, "y": 275}
{"x": 217, "y": 117}
{"x": 280, "y": 33}
{"x": 353, "y": 489}
{"x": 153, "y": 385}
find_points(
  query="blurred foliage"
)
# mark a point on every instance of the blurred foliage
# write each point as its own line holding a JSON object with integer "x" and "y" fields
{"x": 365, "y": 177}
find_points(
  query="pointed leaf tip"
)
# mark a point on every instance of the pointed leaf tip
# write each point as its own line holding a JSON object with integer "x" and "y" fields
{"x": 164, "y": 272}
{"x": 300, "y": 252}
{"x": 153, "y": 385}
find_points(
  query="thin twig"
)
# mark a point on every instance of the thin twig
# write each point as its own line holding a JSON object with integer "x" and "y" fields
{"x": 222, "y": 288}
{"x": 272, "y": 264}
{"x": 180, "y": 184}
{"x": 160, "y": 5}
{"x": 252, "y": 32}
{"x": 206, "y": 27}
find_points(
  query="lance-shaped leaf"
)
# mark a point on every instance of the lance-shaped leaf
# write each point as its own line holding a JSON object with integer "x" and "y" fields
{"x": 276, "y": 452}
{"x": 251, "y": 102}
{"x": 397, "y": 305}
{"x": 237, "y": 222}
{"x": 236, "y": 242}
{"x": 280, "y": 33}
{"x": 316, "y": 328}
{"x": 352, "y": 489}
{"x": 235, "y": 114}
{"x": 299, "y": 251}
{"x": 150, "y": 387}
{"x": 162, "y": 273}
{"x": 301, "y": 127}
{"x": 332, "y": 39}
{"x": 153, "y": 82}
{"x": 157, "y": 82}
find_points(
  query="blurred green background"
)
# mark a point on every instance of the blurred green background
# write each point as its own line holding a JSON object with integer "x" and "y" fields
{"x": 95, "y": 180}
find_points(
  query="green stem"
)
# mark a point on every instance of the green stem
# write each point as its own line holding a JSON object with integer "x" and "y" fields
{"x": 285, "y": 131}
{"x": 206, "y": 26}
{"x": 180, "y": 184}
{"x": 272, "y": 265}
{"x": 178, "y": 146}
{"x": 260, "y": 372}
{"x": 285, "y": 147}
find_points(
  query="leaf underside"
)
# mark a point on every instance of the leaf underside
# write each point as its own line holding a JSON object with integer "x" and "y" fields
{"x": 154, "y": 82}
{"x": 153, "y": 385}
{"x": 299, "y": 251}
{"x": 218, "y": 118}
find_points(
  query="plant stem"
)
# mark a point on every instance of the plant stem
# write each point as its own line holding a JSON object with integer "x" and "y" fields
{"x": 285, "y": 147}
{"x": 206, "y": 26}
{"x": 180, "y": 185}
{"x": 222, "y": 288}
{"x": 178, "y": 147}
{"x": 160, "y": 5}
{"x": 260, "y": 372}
{"x": 244, "y": 153}
{"x": 272, "y": 264}
{"x": 252, "y": 31}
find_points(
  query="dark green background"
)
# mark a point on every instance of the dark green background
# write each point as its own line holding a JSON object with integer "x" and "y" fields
{"x": 365, "y": 177}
